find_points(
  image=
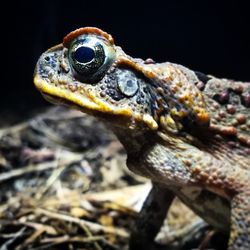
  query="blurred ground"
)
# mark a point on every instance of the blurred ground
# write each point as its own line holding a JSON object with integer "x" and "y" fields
{"x": 64, "y": 185}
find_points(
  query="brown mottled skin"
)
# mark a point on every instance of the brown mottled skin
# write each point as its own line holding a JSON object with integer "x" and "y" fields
{"x": 186, "y": 131}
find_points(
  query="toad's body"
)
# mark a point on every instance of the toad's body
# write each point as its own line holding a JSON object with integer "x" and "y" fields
{"x": 188, "y": 132}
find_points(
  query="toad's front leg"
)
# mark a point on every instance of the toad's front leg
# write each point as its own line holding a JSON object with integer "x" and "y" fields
{"x": 151, "y": 218}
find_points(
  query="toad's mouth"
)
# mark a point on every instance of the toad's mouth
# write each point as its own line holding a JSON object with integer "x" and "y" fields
{"x": 84, "y": 100}
{"x": 89, "y": 103}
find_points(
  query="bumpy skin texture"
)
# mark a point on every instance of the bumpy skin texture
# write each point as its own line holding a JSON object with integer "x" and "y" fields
{"x": 184, "y": 130}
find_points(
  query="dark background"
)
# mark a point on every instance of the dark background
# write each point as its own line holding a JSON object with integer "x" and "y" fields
{"x": 208, "y": 36}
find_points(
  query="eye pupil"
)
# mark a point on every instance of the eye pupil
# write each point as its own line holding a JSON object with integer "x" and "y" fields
{"x": 84, "y": 54}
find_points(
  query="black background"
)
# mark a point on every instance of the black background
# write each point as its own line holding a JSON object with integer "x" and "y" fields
{"x": 208, "y": 36}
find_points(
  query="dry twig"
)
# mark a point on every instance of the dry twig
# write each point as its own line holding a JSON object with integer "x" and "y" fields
{"x": 94, "y": 227}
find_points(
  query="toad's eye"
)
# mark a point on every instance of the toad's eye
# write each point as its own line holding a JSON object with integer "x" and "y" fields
{"x": 86, "y": 56}
{"x": 90, "y": 57}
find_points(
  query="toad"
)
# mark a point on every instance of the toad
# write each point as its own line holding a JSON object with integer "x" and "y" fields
{"x": 186, "y": 131}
